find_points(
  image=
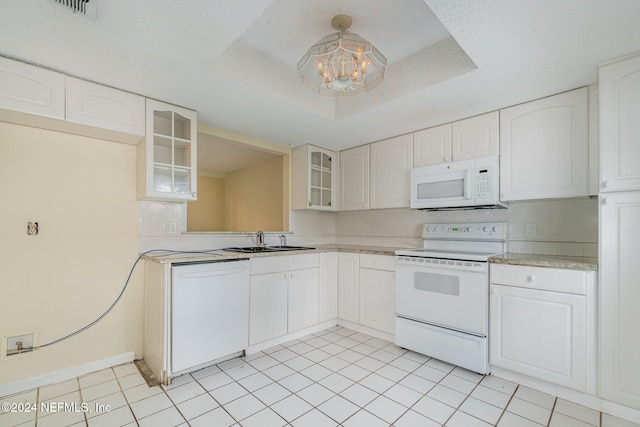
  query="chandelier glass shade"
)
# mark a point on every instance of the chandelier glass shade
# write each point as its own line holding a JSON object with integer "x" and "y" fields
{"x": 342, "y": 64}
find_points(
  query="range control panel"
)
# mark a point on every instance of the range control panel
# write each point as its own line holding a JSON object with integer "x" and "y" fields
{"x": 465, "y": 231}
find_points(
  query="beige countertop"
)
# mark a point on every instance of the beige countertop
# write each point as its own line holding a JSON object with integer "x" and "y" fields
{"x": 172, "y": 257}
{"x": 550, "y": 261}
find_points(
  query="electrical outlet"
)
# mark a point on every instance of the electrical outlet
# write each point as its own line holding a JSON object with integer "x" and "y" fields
{"x": 530, "y": 231}
{"x": 32, "y": 228}
{"x": 170, "y": 228}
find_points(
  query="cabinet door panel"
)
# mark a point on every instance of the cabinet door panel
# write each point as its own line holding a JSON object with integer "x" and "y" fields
{"x": 475, "y": 137}
{"x": 544, "y": 148}
{"x": 354, "y": 178}
{"x": 377, "y": 299}
{"x": 328, "y": 287}
{"x": 303, "y": 299}
{"x": 619, "y": 125}
{"x": 432, "y": 146}
{"x": 29, "y": 89}
{"x": 267, "y": 307}
{"x": 104, "y": 107}
{"x": 348, "y": 277}
{"x": 619, "y": 296}
{"x": 540, "y": 334}
{"x": 391, "y": 162}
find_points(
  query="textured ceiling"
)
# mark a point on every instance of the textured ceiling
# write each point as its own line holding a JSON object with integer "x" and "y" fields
{"x": 234, "y": 61}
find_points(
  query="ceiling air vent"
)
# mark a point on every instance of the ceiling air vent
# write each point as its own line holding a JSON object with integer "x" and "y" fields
{"x": 78, "y": 6}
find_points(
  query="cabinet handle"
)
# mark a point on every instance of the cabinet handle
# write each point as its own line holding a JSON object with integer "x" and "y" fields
{"x": 531, "y": 278}
{"x": 310, "y": 203}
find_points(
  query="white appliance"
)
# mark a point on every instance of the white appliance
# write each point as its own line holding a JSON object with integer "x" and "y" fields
{"x": 442, "y": 293}
{"x": 467, "y": 184}
{"x": 209, "y": 313}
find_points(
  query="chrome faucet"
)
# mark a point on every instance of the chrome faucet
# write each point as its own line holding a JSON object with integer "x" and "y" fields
{"x": 260, "y": 237}
{"x": 283, "y": 240}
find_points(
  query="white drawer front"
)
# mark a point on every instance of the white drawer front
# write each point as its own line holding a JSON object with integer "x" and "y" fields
{"x": 299, "y": 262}
{"x": 378, "y": 262}
{"x": 547, "y": 279}
{"x": 269, "y": 264}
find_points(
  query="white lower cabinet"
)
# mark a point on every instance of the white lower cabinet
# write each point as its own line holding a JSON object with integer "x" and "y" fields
{"x": 348, "y": 276}
{"x": 619, "y": 298}
{"x": 542, "y": 324}
{"x": 304, "y": 277}
{"x": 366, "y": 285}
{"x": 377, "y": 292}
{"x": 328, "y": 287}
{"x": 267, "y": 307}
{"x": 283, "y": 295}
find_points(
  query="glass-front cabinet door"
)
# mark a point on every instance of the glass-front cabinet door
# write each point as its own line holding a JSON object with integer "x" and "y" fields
{"x": 321, "y": 178}
{"x": 169, "y": 154}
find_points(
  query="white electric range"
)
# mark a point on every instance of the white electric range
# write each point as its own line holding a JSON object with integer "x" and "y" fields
{"x": 442, "y": 292}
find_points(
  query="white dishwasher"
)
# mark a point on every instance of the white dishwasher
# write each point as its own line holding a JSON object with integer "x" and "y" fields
{"x": 209, "y": 312}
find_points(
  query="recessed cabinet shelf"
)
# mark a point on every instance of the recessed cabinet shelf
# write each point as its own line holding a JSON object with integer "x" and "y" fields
{"x": 167, "y": 159}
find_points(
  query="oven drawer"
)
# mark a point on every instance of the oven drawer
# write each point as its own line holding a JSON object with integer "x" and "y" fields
{"x": 543, "y": 278}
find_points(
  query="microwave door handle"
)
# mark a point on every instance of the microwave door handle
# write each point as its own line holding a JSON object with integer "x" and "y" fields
{"x": 467, "y": 185}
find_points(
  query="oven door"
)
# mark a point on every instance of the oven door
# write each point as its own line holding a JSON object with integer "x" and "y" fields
{"x": 447, "y": 293}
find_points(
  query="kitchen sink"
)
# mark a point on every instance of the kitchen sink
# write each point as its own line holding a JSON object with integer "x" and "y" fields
{"x": 259, "y": 249}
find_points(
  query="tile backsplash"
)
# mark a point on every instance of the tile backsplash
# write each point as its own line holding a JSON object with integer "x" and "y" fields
{"x": 563, "y": 227}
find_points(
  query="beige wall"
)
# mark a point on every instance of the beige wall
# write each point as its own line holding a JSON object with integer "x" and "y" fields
{"x": 207, "y": 213}
{"x": 81, "y": 191}
{"x": 254, "y": 198}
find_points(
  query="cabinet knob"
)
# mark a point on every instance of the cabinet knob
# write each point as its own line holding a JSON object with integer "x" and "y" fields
{"x": 194, "y": 194}
{"x": 73, "y": 114}
{"x": 455, "y": 157}
{"x": 605, "y": 200}
{"x": 531, "y": 278}
{"x": 606, "y": 183}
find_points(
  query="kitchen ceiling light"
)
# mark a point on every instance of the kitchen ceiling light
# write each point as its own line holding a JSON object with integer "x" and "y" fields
{"x": 342, "y": 64}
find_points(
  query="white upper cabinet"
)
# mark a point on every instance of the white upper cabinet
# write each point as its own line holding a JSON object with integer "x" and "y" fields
{"x": 167, "y": 158}
{"x": 475, "y": 137}
{"x": 37, "y": 97}
{"x": 31, "y": 90}
{"x": 314, "y": 178}
{"x": 104, "y": 107}
{"x": 432, "y": 146}
{"x": 391, "y": 162}
{"x": 354, "y": 178}
{"x": 544, "y": 148}
{"x": 470, "y": 138}
{"x": 620, "y": 125}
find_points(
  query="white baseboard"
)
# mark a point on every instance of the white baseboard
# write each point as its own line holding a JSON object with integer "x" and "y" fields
{"x": 584, "y": 399}
{"x": 64, "y": 374}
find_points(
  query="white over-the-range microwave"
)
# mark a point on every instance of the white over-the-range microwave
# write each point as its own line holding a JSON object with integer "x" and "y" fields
{"x": 467, "y": 184}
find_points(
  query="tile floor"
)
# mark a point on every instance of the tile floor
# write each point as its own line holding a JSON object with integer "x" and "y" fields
{"x": 334, "y": 377}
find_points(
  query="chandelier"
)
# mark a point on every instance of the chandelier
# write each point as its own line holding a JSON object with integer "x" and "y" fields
{"x": 342, "y": 64}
